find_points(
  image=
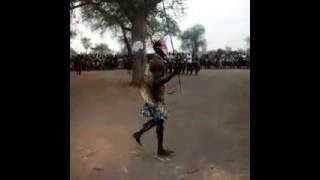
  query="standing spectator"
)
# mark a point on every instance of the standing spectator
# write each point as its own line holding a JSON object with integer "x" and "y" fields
{"x": 77, "y": 64}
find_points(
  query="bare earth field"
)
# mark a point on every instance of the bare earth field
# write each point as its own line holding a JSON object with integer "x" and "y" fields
{"x": 208, "y": 128}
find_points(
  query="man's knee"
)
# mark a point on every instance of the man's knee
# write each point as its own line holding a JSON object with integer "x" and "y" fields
{"x": 150, "y": 123}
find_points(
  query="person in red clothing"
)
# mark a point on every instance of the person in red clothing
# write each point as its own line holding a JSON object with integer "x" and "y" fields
{"x": 160, "y": 48}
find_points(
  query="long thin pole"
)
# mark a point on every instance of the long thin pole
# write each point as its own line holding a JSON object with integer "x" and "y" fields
{"x": 165, "y": 13}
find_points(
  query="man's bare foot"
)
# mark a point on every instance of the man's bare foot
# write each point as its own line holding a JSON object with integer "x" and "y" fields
{"x": 165, "y": 152}
{"x": 137, "y": 136}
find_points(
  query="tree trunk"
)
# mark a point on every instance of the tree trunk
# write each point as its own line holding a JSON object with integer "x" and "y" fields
{"x": 138, "y": 69}
{"x": 126, "y": 41}
{"x": 140, "y": 58}
{"x": 144, "y": 52}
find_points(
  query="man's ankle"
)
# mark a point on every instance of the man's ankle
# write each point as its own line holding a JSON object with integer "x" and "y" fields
{"x": 160, "y": 150}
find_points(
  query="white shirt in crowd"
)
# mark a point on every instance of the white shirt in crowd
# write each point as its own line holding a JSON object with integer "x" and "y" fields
{"x": 170, "y": 57}
{"x": 189, "y": 58}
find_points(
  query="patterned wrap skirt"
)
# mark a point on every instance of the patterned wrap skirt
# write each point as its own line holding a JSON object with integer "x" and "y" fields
{"x": 154, "y": 112}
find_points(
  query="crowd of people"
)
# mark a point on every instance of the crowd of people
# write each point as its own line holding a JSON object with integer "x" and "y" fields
{"x": 89, "y": 62}
{"x": 188, "y": 63}
{"x": 225, "y": 59}
{"x": 213, "y": 59}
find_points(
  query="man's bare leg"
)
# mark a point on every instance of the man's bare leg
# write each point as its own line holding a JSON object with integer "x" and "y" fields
{"x": 161, "y": 150}
{"x": 146, "y": 126}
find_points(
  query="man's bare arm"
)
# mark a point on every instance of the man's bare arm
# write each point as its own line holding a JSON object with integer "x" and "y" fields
{"x": 168, "y": 78}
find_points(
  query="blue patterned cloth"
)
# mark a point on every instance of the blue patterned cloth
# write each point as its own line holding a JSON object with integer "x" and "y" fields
{"x": 150, "y": 111}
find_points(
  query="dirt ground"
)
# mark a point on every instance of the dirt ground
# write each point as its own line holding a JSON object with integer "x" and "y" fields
{"x": 208, "y": 128}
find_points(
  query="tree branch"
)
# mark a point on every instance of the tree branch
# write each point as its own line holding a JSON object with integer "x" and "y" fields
{"x": 77, "y": 6}
{"x": 151, "y": 4}
{"x": 126, "y": 28}
{"x": 128, "y": 9}
{"x": 107, "y": 16}
{"x": 84, "y": 3}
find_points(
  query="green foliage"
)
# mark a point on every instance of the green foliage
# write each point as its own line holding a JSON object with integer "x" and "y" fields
{"x": 101, "y": 48}
{"x": 104, "y": 16}
{"x": 137, "y": 19}
{"x": 192, "y": 39}
{"x": 163, "y": 26}
{"x": 114, "y": 15}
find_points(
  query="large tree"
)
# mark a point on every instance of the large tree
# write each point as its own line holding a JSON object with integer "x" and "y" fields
{"x": 106, "y": 17}
{"x": 192, "y": 39}
{"x": 135, "y": 18}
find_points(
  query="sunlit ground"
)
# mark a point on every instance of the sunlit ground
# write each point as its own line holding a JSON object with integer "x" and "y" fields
{"x": 208, "y": 128}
